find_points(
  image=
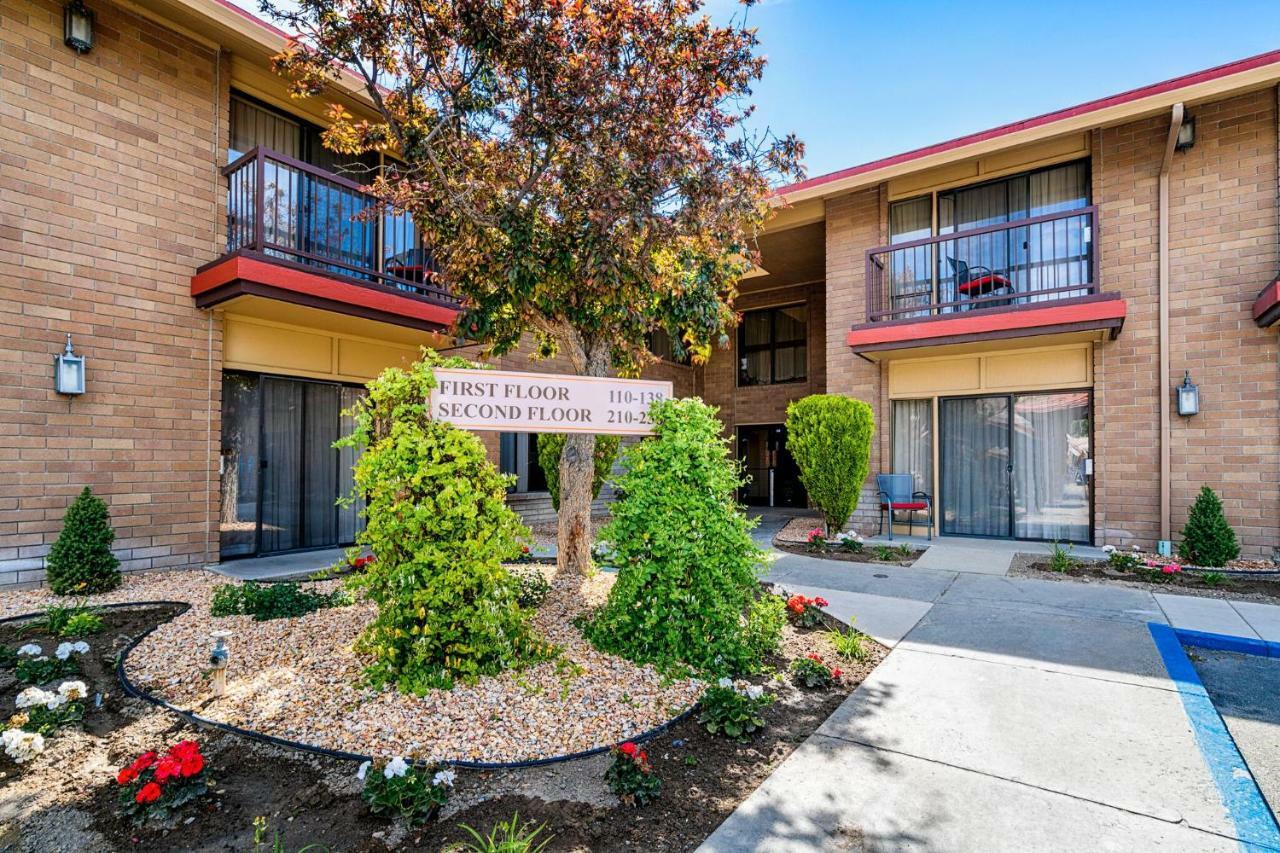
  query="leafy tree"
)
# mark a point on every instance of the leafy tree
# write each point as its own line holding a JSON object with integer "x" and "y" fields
{"x": 830, "y": 438}
{"x": 80, "y": 561}
{"x": 440, "y": 529}
{"x": 1207, "y": 538}
{"x": 581, "y": 169}
{"x": 687, "y": 568}
{"x": 551, "y": 445}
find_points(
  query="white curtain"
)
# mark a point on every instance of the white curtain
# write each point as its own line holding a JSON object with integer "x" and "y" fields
{"x": 1050, "y": 486}
{"x": 913, "y": 442}
{"x": 975, "y": 459}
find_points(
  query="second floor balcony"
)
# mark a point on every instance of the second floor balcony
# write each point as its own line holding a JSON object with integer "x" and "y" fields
{"x": 300, "y": 233}
{"x": 1035, "y": 275}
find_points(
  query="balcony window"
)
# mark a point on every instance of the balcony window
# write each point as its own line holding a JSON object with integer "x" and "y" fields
{"x": 963, "y": 249}
{"x": 773, "y": 346}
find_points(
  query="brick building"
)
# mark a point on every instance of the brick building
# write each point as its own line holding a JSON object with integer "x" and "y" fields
{"x": 165, "y": 203}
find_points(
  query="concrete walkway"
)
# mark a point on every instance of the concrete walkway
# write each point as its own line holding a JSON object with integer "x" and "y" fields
{"x": 1012, "y": 714}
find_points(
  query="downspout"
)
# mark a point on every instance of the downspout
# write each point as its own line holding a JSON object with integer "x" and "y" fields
{"x": 1162, "y": 378}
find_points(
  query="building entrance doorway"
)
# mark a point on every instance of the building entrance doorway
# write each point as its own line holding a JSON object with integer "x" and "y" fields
{"x": 774, "y": 478}
{"x": 281, "y": 477}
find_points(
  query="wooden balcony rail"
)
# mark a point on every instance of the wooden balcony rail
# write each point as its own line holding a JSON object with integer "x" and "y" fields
{"x": 1038, "y": 259}
{"x": 290, "y": 211}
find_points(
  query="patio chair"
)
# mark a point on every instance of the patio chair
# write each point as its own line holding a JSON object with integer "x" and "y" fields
{"x": 974, "y": 281}
{"x": 896, "y": 495}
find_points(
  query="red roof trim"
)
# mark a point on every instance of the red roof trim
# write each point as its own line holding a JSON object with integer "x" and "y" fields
{"x": 1266, "y": 309}
{"x": 1192, "y": 79}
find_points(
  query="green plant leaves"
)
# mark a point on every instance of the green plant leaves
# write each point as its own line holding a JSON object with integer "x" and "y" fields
{"x": 830, "y": 438}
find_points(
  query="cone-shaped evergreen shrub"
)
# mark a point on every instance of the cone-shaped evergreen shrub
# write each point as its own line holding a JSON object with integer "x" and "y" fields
{"x": 551, "y": 445}
{"x": 81, "y": 562}
{"x": 1207, "y": 538}
{"x": 440, "y": 529}
{"x": 830, "y": 438}
{"x": 687, "y": 568}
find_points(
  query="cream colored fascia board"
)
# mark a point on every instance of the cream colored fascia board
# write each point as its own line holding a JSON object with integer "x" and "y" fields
{"x": 1245, "y": 81}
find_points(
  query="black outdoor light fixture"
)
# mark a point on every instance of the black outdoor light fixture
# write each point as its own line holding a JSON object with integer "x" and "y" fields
{"x": 1188, "y": 396}
{"x": 1186, "y": 134}
{"x": 68, "y": 371}
{"x": 77, "y": 26}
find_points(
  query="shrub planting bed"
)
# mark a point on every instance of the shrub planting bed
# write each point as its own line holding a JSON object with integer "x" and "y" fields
{"x": 1240, "y": 579}
{"x": 68, "y": 797}
{"x": 795, "y": 538}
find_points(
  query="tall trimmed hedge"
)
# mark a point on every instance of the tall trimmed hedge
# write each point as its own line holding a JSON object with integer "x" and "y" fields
{"x": 440, "y": 529}
{"x": 829, "y": 436}
{"x": 1207, "y": 537}
{"x": 80, "y": 562}
{"x": 687, "y": 567}
{"x": 551, "y": 445}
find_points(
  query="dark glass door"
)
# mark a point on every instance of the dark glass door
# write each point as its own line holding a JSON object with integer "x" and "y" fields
{"x": 773, "y": 476}
{"x": 241, "y": 431}
{"x": 281, "y": 514}
{"x": 976, "y": 466}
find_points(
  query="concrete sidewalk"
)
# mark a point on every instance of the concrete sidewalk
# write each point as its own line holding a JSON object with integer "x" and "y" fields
{"x": 1013, "y": 714}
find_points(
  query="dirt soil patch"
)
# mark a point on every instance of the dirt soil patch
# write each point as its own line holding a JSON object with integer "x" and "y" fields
{"x": 866, "y": 555}
{"x": 1250, "y": 586}
{"x": 65, "y": 799}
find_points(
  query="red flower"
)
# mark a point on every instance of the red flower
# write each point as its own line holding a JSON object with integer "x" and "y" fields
{"x": 184, "y": 749}
{"x": 814, "y": 656}
{"x": 643, "y": 757}
{"x": 148, "y": 793}
{"x": 170, "y": 767}
{"x": 820, "y": 601}
{"x": 126, "y": 775}
{"x": 835, "y": 673}
{"x": 191, "y": 765}
{"x": 142, "y": 762}
{"x": 628, "y": 749}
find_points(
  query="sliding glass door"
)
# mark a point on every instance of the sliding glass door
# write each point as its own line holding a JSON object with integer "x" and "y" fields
{"x": 1017, "y": 466}
{"x": 281, "y": 475}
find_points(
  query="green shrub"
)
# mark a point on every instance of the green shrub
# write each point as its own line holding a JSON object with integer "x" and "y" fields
{"x": 1213, "y": 578}
{"x": 849, "y": 646}
{"x": 733, "y": 710}
{"x": 398, "y": 789}
{"x": 265, "y": 601}
{"x": 1060, "y": 559}
{"x": 631, "y": 776}
{"x": 1207, "y": 538}
{"x": 508, "y": 836}
{"x": 766, "y": 617}
{"x": 686, "y": 564}
{"x": 80, "y": 561}
{"x": 1123, "y": 561}
{"x": 830, "y": 438}
{"x": 66, "y": 620}
{"x": 440, "y": 529}
{"x": 551, "y": 445}
{"x": 532, "y": 586}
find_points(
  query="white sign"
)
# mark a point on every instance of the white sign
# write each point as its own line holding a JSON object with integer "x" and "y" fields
{"x": 509, "y": 401}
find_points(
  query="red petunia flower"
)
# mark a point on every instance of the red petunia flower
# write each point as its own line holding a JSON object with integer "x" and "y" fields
{"x": 126, "y": 775}
{"x": 184, "y": 749}
{"x": 170, "y": 767}
{"x": 142, "y": 762}
{"x": 191, "y": 765}
{"x": 628, "y": 749}
{"x": 148, "y": 793}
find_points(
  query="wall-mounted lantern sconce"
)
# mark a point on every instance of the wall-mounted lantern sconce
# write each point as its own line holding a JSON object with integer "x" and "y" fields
{"x": 77, "y": 26}
{"x": 1188, "y": 396}
{"x": 68, "y": 371}
{"x": 1186, "y": 134}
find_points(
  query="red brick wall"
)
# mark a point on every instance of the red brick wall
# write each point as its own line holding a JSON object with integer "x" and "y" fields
{"x": 109, "y": 197}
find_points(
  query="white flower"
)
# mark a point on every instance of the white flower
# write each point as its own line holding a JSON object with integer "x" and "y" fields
{"x": 364, "y": 768}
{"x": 72, "y": 690}
{"x": 1108, "y": 549}
{"x": 444, "y": 777}
{"x": 21, "y": 745}
{"x": 34, "y": 696}
{"x": 80, "y": 646}
{"x": 725, "y": 682}
{"x": 395, "y": 767}
{"x": 64, "y": 651}
{"x": 754, "y": 691}
{"x": 30, "y": 649}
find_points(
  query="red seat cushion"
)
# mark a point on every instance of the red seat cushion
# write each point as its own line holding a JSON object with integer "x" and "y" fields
{"x": 986, "y": 282}
{"x": 912, "y": 505}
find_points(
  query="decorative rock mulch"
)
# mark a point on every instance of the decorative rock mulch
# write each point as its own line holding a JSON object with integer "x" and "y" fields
{"x": 297, "y": 679}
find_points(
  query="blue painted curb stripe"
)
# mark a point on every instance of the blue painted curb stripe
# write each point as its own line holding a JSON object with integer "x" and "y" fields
{"x": 1255, "y": 824}
{"x": 1228, "y": 643}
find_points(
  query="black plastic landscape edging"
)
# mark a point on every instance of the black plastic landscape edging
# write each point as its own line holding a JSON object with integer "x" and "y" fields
{"x": 196, "y": 720}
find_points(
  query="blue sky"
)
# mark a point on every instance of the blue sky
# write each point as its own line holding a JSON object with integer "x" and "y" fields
{"x": 862, "y": 80}
{"x": 857, "y": 80}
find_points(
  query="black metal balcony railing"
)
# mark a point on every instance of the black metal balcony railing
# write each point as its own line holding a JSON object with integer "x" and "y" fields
{"x": 1038, "y": 259}
{"x": 285, "y": 209}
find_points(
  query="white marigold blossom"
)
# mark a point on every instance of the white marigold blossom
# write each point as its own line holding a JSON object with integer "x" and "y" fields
{"x": 31, "y": 650}
{"x": 364, "y": 768}
{"x": 395, "y": 767}
{"x": 33, "y": 696}
{"x": 725, "y": 682}
{"x": 444, "y": 777}
{"x": 70, "y": 691}
{"x": 22, "y": 746}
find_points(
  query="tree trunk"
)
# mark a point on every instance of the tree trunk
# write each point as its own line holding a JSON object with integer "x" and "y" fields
{"x": 577, "y": 469}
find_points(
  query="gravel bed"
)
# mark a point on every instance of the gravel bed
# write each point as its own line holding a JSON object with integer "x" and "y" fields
{"x": 297, "y": 679}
